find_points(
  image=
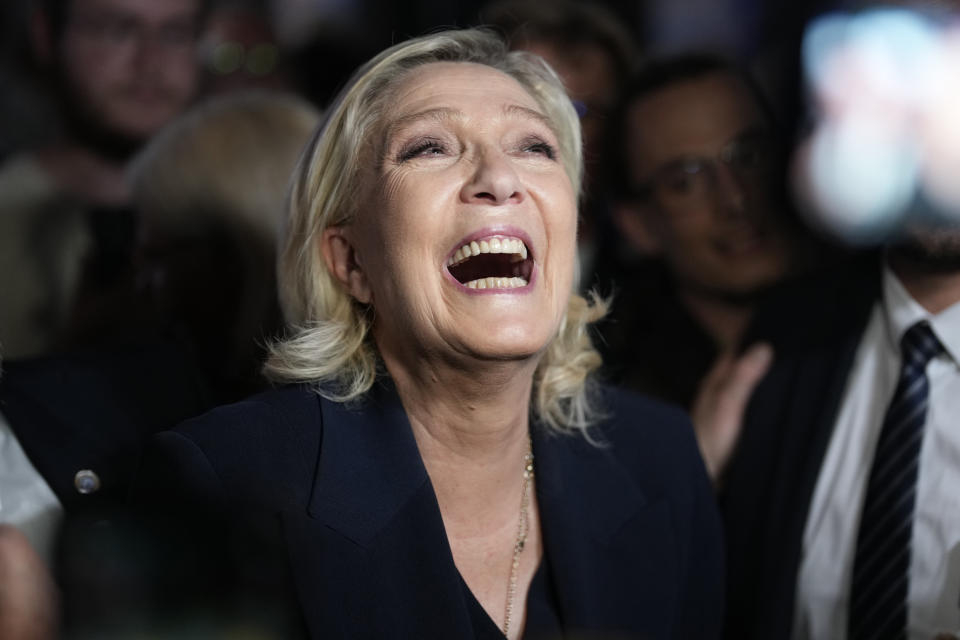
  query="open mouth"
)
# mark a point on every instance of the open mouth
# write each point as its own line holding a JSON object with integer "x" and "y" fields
{"x": 495, "y": 262}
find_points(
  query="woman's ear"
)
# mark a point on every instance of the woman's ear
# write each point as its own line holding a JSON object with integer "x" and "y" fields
{"x": 633, "y": 221}
{"x": 341, "y": 258}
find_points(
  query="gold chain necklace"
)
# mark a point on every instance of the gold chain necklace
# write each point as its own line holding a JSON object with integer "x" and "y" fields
{"x": 523, "y": 528}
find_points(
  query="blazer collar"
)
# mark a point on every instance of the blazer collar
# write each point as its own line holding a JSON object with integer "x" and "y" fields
{"x": 372, "y": 487}
{"x": 582, "y": 488}
{"x": 585, "y": 497}
{"x": 370, "y": 465}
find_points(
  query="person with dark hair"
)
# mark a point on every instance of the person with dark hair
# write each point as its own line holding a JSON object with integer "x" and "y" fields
{"x": 695, "y": 169}
{"x": 840, "y": 478}
{"x": 119, "y": 70}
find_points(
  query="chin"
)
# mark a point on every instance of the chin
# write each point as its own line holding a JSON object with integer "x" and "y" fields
{"x": 736, "y": 288}
{"x": 936, "y": 250}
{"x": 141, "y": 121}
{"x": 512, "y": 344}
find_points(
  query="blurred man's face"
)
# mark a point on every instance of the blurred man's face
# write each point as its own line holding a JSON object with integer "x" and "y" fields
{"x": 131, "y": 65}
{"x": 704, "y": 166}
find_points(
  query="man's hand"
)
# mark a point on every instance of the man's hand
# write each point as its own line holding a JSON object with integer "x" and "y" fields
{"x": 28, "y": 597}
{"x": 721, "y": 401}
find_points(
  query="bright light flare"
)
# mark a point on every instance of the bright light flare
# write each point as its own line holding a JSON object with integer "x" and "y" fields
{"x": 887, "y": 92}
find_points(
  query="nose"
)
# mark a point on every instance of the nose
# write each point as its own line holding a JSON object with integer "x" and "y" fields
{"x": 731, "y": 191}
{"x": 147, "y": 54}
{"x": 493, "y": 181}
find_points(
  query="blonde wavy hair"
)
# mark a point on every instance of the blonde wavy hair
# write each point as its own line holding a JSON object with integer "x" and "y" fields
{"x": 330, "y": 343}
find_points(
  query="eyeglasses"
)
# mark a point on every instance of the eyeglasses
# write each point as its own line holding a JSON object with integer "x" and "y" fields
{"x": 688, "y": 182}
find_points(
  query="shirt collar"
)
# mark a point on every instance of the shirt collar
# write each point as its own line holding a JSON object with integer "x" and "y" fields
{"x": 901, "y": 312}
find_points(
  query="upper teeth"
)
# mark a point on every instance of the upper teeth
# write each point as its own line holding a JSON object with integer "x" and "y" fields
{"x": 489, "y": 245}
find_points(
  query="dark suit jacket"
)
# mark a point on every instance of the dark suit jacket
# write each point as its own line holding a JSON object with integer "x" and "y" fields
{"x": 94, "y": 410}
{"x": 815, "y": 328}
{"x": 630, "y": 528}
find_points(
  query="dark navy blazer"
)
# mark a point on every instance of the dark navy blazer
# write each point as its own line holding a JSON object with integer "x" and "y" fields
{"x": 630, "y": 528}
{"x": 94, "y": 410}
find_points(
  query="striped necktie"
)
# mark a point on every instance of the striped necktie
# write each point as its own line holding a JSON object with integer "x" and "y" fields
{"x": 878, "y": 592}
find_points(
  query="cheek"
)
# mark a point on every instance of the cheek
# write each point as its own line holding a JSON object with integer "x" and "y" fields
{"x": 563, "y": 243}
{"x": 77, "y": 63}
{"x": 389, "y": 197}
{"x": 560, "y": 205}
{"x": 688, "y": 231}
{"x": 409, "y": 212}
{"x": 383, "y": 240}
{"x": 183, "y": 72}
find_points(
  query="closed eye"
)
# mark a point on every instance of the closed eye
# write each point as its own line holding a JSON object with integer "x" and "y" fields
{"x": 539, "y": 147}
{"x": 421, "y": 148}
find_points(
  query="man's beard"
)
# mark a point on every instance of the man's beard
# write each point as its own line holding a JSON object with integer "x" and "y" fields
{"x": 932, "y": 249}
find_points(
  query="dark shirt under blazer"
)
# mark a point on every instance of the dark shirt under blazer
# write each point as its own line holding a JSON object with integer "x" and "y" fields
{"x": 630, "y": 528}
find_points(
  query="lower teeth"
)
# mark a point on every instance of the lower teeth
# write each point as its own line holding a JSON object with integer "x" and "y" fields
{"x": 497, "y": 283}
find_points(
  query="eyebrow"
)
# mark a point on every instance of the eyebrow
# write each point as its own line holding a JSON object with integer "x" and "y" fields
{"x": 441, "y": 114}
{"x": 527, "y": 112}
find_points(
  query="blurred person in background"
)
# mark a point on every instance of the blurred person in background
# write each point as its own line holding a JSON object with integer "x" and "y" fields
{"x": 593, "y": 53}
{"x": 120, "y": 70}
{"x": 696, "y": 168}
{"x": 70, "y": 435}
{"x": 211, "y": 189}
{"x": 26, "y": 114}
{"x": 210, "y": 192}
{"x": 860, "y": 402}
{"x": 71, "y": 431}
{"x": 841, "y": 495}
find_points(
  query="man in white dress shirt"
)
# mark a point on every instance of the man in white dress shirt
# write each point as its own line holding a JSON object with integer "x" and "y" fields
{"x": 796, "y": 486}
{"x": 917, "y": 285}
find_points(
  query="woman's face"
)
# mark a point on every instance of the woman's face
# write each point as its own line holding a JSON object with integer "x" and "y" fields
{"x": 465, "y": 236}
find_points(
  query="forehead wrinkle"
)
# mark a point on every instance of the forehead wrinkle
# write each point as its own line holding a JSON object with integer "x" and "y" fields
{"x": 442, "y": 114}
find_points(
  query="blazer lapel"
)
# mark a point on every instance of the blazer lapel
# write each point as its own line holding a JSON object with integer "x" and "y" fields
{"x": 370, "y": 556}
{"x": 593, "y": 510}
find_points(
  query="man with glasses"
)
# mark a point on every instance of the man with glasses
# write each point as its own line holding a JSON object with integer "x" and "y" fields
{"x": 119, "y": 70}
{"x": 696, "y": 172}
